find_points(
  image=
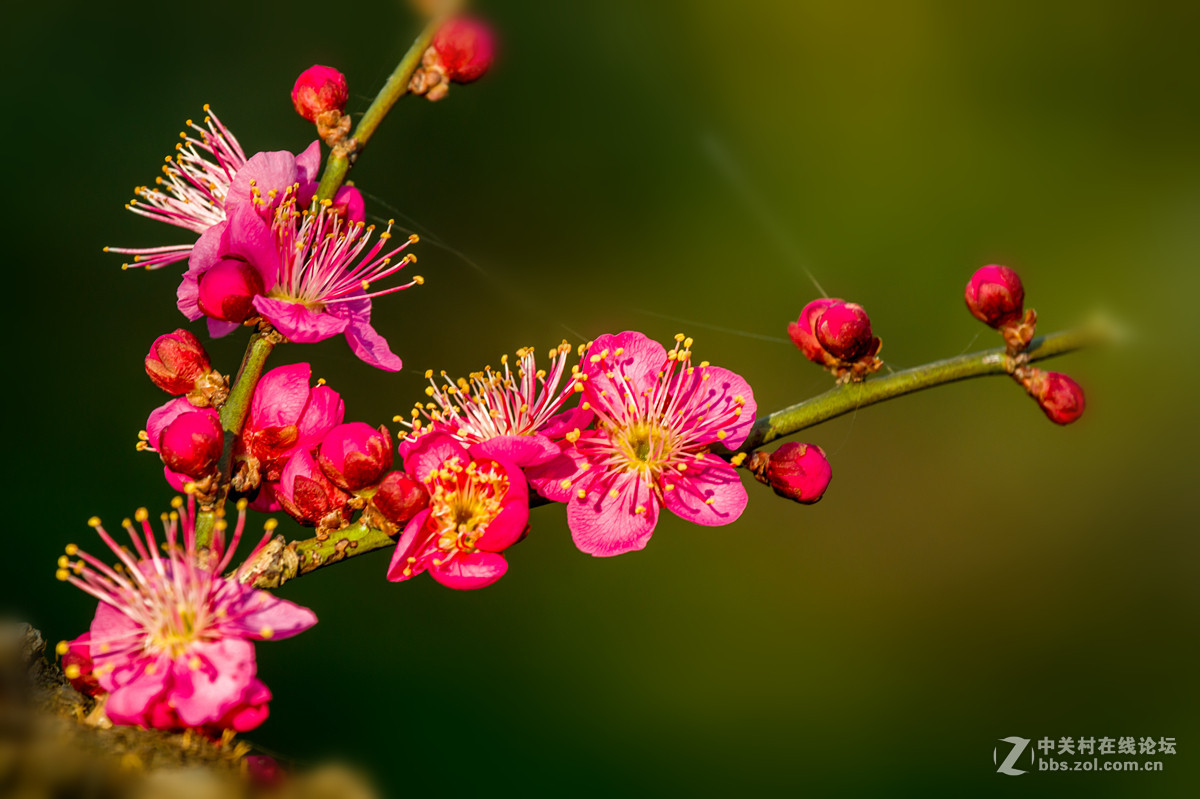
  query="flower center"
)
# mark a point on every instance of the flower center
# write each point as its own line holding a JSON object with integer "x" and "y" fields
{"x": 463, "y": 502}
{"x": 175, "y": 632}
{"x": 644, "y": 445}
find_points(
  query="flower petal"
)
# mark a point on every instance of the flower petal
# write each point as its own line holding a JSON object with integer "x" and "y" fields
{"x": 297, "y": 322}
{"x": 560, "y": 424}
{"x": 210, "y": 679}
{"x": 510, "y": 523}
{"x": 408, "y": 547}
{"x": 219, "y": 329}
{"x": 614, "y": 377}
{"x": 717, "y": 393}
{"x": 280, "y": 397}
{"x": 136, "y": 687}
{"x": 430, "y": 452}
{"x": 269, "y": 171}
{"x": 604, "y": 525}
{"x": 710, "y": 497}
{"x": 468, "y": 572}
{"x": 558, "y": 479}
{"x": 527, "y": 450}
{"x": 364, "y": 341}
{"x": 308, "y": 163}
{"x": 261, "y": 615}
{"x": 325, "y": 410}
{"x": 249, "y": 238}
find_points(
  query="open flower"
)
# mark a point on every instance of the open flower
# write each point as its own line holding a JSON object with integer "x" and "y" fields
{"x": 191, "y": 193}
{"x": 657, "y": 418}
{"x": 172, "y": 640}
{"x": 478, "y": 507}
{"x": 499, "y": 414}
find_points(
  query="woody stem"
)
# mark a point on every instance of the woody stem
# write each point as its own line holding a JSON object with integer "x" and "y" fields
{"x": 358, "y": 539}
{"x": 345, "y": 153}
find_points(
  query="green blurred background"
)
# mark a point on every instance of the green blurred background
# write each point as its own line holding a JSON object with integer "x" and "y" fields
{"x": 973, "y": 573}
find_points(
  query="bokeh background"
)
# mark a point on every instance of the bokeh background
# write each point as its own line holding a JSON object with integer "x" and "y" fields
{"x": 973, "y": 573}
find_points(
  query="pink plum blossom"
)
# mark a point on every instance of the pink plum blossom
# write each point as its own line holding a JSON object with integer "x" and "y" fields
{"x": 172, "y": 640}
{"x": 658, "y": 417}
{"x": 286, "y": 416}
{"x": 355, "y": 456}
{"x": 478, "y": 507}
{"x": 307, "y": 494}
{"x": 515, "y": 417}
{"x": 192, "y": 192}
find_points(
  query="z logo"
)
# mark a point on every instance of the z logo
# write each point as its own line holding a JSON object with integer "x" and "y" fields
{"x": 1018, "y": 747}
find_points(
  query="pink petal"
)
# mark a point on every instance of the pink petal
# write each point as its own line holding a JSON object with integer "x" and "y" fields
{"x": 205, "y": 252}
{"x": 633, "y": 371}
{"x": 163, "y": 415}
{"x": 219, "y": 329}
{"x": 262, "y": 615}
{"x": 372, "y": 348}
{"x": 138, "y": 685}
{"x": 719, "y": 482}
{"x": 527, "y": 450}
{"x": 325, "y": 410}
{"x": 467, "y": 572}
{"x": 297, "y": 322}
{"x": 176, "y": 480}
{"x": 604, "y": 525}
{"x": 430, "y": 452}
{"x": 280, "y": 397}
{"x": 249, "y": 238}
{"x": 352, "y": 200}
{"x": 210, "y": 679}
{"x": 308, "y": 163}
{"x": 510, "y": 523}
{"x": 251, "y": 711}
{"x": 269, "y": 171}
{"x": 558, "y": 479}
{"x": 265, "y": 501}
{"x": 720, "y": 389}
{"x": 408, "y": 547}
{"x": 560, "y": 424}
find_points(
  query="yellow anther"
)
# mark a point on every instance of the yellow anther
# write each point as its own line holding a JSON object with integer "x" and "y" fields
{"x": 266, "y": 632}
{"x": 72, "y": 549}
{"x": 565, "y": 484}
{"x": 64, "y": 561}
{"x": 738, "y": 459}
{"x": 573, "y": 436}
{"x": 413, "y": 239}
{"x": 62, "y": 575}
{"x": 428, "y": 373}
{"x": 62, "y": 648}
{"x": 242, "y": 504}
{"x": 94, "y": 521}
{"x": 72, "y": 671}
{"x": 141, "y": 514}
{"x": 581, "y": 493}
{"x": 420, "y": 281}
{"x": 721, "y": 434}
{"x": 614, "y": 493}
{"x": 270, "y": 524}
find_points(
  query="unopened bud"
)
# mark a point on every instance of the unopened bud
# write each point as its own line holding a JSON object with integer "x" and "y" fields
{"x": 176, "y": 361}
{"x": 1059, "y": 397}
{"x": 318, "y": 90}
{"x": 306, "y": 493}
{"x": 995, "y": 296}
{"x": 228, "y": 289}
{"x": 466, "y": 48}
{"x": 400, "y": 498}
{"x": 192, "y": 444}
{"x": 355, "y": 455}
{"x": 799, "y": 472}
{"x": 844, "y": 331}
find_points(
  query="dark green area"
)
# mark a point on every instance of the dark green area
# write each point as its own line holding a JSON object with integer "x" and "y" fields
{"x": 973, "y": 573}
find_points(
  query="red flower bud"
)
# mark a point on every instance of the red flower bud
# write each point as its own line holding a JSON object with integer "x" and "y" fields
{"x": 319, "y": 89}
{"x": 466, "y": 48}
{"x": 192, "y": 443}
{"x": 355, "y": 455}
{"x": 844, "y": 331}
{"x": 400, "y": 498}
{"x": 176, "y": 361}
{"x": 1059, "y": 397}
{"x": 795, "y": 471}
{"x": 995, "y": 295}
{"x": 306, "y": 493}
{"x": 228, "y": 289}
{"x": 77, "y": 665}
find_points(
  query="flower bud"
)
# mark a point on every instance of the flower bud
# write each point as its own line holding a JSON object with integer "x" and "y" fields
{"x": 803, "y": 330}
{"x": 306, "y": 493}
{"x": 400, "y": 498}
{"x": 191, "y": 444}
{"x": 319, "y": 89}
{"x": 176, "y": 361}
{"x": 228, "y": 289}
{"x": 1059, "y": 397}
{"x": 355, "y": 455}
{"x": 77, "y": 665}
{"x": 995, "y": 295}
{"x": 466, "y": 48}
{"x": 800, "y": 472}
{"x": 844, "y": 331}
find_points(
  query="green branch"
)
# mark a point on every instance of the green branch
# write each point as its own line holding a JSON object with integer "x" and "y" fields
{"x": 344, "y": 154}
{"x": 358, "y": 539}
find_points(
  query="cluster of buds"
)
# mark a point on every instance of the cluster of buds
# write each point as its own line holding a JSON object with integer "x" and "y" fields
{"x": 320, "y": 96}
{"x": 461, "y": 52}
{"x": 837, "y": 335}
{"x": 996, "y": 297}
{"x": 795, "y": 471}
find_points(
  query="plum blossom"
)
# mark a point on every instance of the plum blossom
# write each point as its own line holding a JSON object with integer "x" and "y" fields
{"x": 191, "y": 193}
{"x": 172, "y": 640}
{"x": 478, "y": 507}
{"x": 160, "y": 419}
{"x": 516, "y": 417}
{"x": 657, "y": 418}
